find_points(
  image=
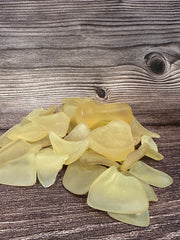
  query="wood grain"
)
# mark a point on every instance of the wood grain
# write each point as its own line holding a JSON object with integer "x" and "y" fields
{"x": 55, "y": 49}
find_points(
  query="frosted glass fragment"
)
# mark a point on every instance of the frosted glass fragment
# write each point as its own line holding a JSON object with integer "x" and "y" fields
{"x": 114, "y": 192}
{"x": 80, "y": 132}
{"x": 48, "y": 166}
{"x": 78, "y": 177}
{"x": 151, "y": 175}
{"x": 113, "y": 141}
{"x": 74, "y": 149}
{"x": 139, "y": 219}
{"x": 20, "y": 172}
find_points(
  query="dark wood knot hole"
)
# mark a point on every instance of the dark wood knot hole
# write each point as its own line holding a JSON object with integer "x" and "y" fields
{"x": 156, "y": 63}
{"x": 101, "y": 92}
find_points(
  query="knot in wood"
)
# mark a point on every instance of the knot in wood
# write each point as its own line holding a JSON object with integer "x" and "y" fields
{"x": 156, "y": 63}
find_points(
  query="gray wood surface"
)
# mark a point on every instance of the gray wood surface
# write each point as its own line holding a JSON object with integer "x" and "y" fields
{"x": 52, "y": 49}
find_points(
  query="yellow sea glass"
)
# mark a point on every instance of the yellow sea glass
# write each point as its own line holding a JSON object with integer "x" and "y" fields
{"x": 74, "y": 149}
{"x": 78, "y": 176}
{"x": 92, "y": 112}
{"x": 20, "y": 172}
{"x": 48, "y": 166}
{"x": 114, "y": 140}
{"x": 139, "y": 219}
{"x": 14, "y": 150}
{"x": 114, "y": 192}
{"x": 151, "y": 175}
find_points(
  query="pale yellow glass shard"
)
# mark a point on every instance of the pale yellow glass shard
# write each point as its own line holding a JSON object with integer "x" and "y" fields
{"x": 58, "y": 123}
{"x": 14, "y": 150}
{"x": 80, "y": 132}
{"x": 40, "y": 112}
{"x": 45, "y": 142}
{"x": 133, "y": 157}
{"x": 30, "y": 132}
{"x": 153, "y": 149}
{"x": 48, "y": 166}
{"x": 4, "y": 140}
{"x": 78, "y": 177}
{"x": 151, "y": 195}
{"x": 74, "y": 149}
{"x": 92, "y": 112}
{"x": 113, "y": 141}
{"x": 151, "y": 175}
{"x": 20, "y": 172}
{"x": 138, "y": 130}
{"x": 139, "y": 219}
{"x": 76, "y": 101}
{"x": 92, "y": 158}
{"x": 114, "y": 192}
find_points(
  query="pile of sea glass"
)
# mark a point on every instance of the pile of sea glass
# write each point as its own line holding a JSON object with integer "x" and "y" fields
{"x": 101, "y": 144}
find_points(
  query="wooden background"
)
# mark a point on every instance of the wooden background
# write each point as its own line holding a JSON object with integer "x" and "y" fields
{"x": 115, "y": 50}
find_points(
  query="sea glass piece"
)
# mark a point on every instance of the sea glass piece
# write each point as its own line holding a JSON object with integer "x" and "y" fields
{"x": 74, "y": 149}
{"x": 139, "y": 219}
{"x": 20, "y": 172}
{"x": 115, "y": 192}
{"x": 30, "y": 132}
{"x": 80, "y": 132}
{"x": 92, "y": 158}
{"x": 151, "y": 175}
{"x": 58, "y": 123}
{"x": 138, "y": 130}
{"x": 151, "y": 195}
{"x": 113, "y": 141}
{"x": 134, "y": 156}
{"x": 78, "y": 177}
{"x": 48, "y": 166}
{"x": 14, "y": 150}
{"x": 4, "y": 140}
{"x": 40, "y": 112}
{"x": 153, "y": 149}
{"x": 92, "y": 112}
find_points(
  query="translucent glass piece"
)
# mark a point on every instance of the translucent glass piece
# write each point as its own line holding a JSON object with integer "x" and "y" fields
{"x": 139, "y": 219}
{"x": 153, "y": 150}
{"x": 20, "y": 172}
{"x": 113, "y": 141}
{"x": 58, "y": 123}
{"x": 30, "y": 132}
{"x": 40, "y": 112}
{"x": 80, "y": 132}
{"x": 138, "y": 130}
{"x": 78, "y": 177}
{"x": 74, "y": 149}
{"x": 48, "y": 166}
{"x": 14, "y": 150}
{"x": 133, "y": 157}
{"x": 151, "y": 195}
{"x": 151, "y": 175}
{"x": 114, "y": 192}
{"x": 92, "y": 112}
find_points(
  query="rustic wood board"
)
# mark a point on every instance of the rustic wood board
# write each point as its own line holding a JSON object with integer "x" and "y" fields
{"x": 55, "y": 49}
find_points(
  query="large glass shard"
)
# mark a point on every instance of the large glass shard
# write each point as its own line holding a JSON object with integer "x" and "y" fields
{"x": 80, "y": 132}
{"x": 151, "y": 175}
{"x": 92, "y": 112}
{"x": 139, "y": 219}
{"x": 20, "y": 172}
{"x": 14, "y": 150}
{"x": 78, "y": 177}
{"x": 74, "y": 149}
{"x": 114, "y": 192}
{"x": 113, "y": 141}
{"x": 48, "y": 166}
